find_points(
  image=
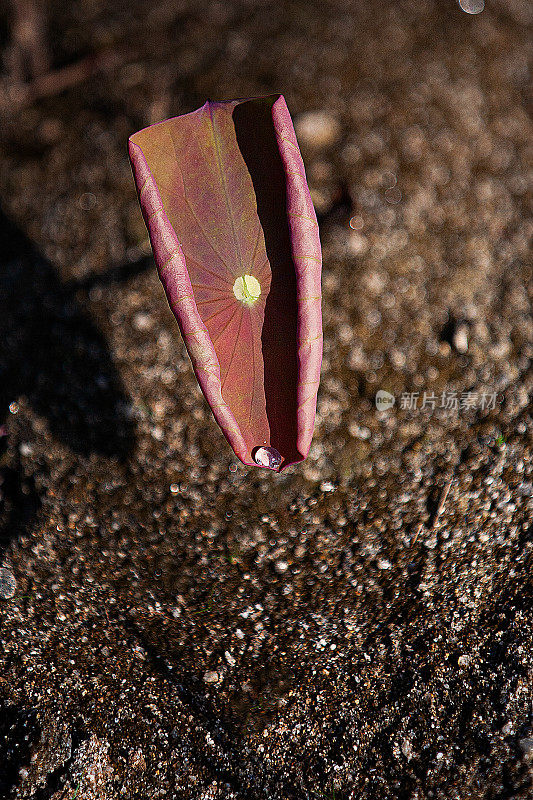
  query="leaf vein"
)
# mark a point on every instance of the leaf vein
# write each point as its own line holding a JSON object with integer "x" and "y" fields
{"x": 232, "y": 354}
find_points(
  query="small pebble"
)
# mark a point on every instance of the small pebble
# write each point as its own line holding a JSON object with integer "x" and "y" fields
{"x": 358, "y": 431}
{"x": 211, "y": 677}
{"x": 460, "y": 339}
{"x": 317, "y": 129}
{"x": 142, "y": 321}
{"x": 8, "y": 584}
{"x": 407, "y": 749}
{"x": 229, "y": 658}
{"x": 526, "y": 746}
{"x": 357, "y": 244}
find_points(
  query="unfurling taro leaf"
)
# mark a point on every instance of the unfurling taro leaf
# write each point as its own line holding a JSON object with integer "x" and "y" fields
{"x": 235, "y": 237}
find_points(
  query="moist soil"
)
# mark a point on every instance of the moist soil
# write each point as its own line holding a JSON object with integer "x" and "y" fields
{"x": 360, "y": 626}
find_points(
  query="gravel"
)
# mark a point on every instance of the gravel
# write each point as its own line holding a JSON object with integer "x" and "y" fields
{"x": 367, "y": 614}
{"x": 8, "y": 584}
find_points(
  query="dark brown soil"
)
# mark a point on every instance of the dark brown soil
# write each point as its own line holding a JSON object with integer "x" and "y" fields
{"x": 360, "y": 626}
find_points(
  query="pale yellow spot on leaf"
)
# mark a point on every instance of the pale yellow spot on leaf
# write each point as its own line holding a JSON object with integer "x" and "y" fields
{"x": 247, "y": 289}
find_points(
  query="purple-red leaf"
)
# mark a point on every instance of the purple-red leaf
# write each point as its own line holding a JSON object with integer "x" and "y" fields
{"x": 235, "y": 238}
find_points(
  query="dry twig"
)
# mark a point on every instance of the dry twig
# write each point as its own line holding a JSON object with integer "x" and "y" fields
{"x": 440, "y": 508}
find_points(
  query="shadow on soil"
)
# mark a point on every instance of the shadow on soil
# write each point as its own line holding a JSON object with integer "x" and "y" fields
{"x": 55, "y": 357}
{"x": 19, "y": 731}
